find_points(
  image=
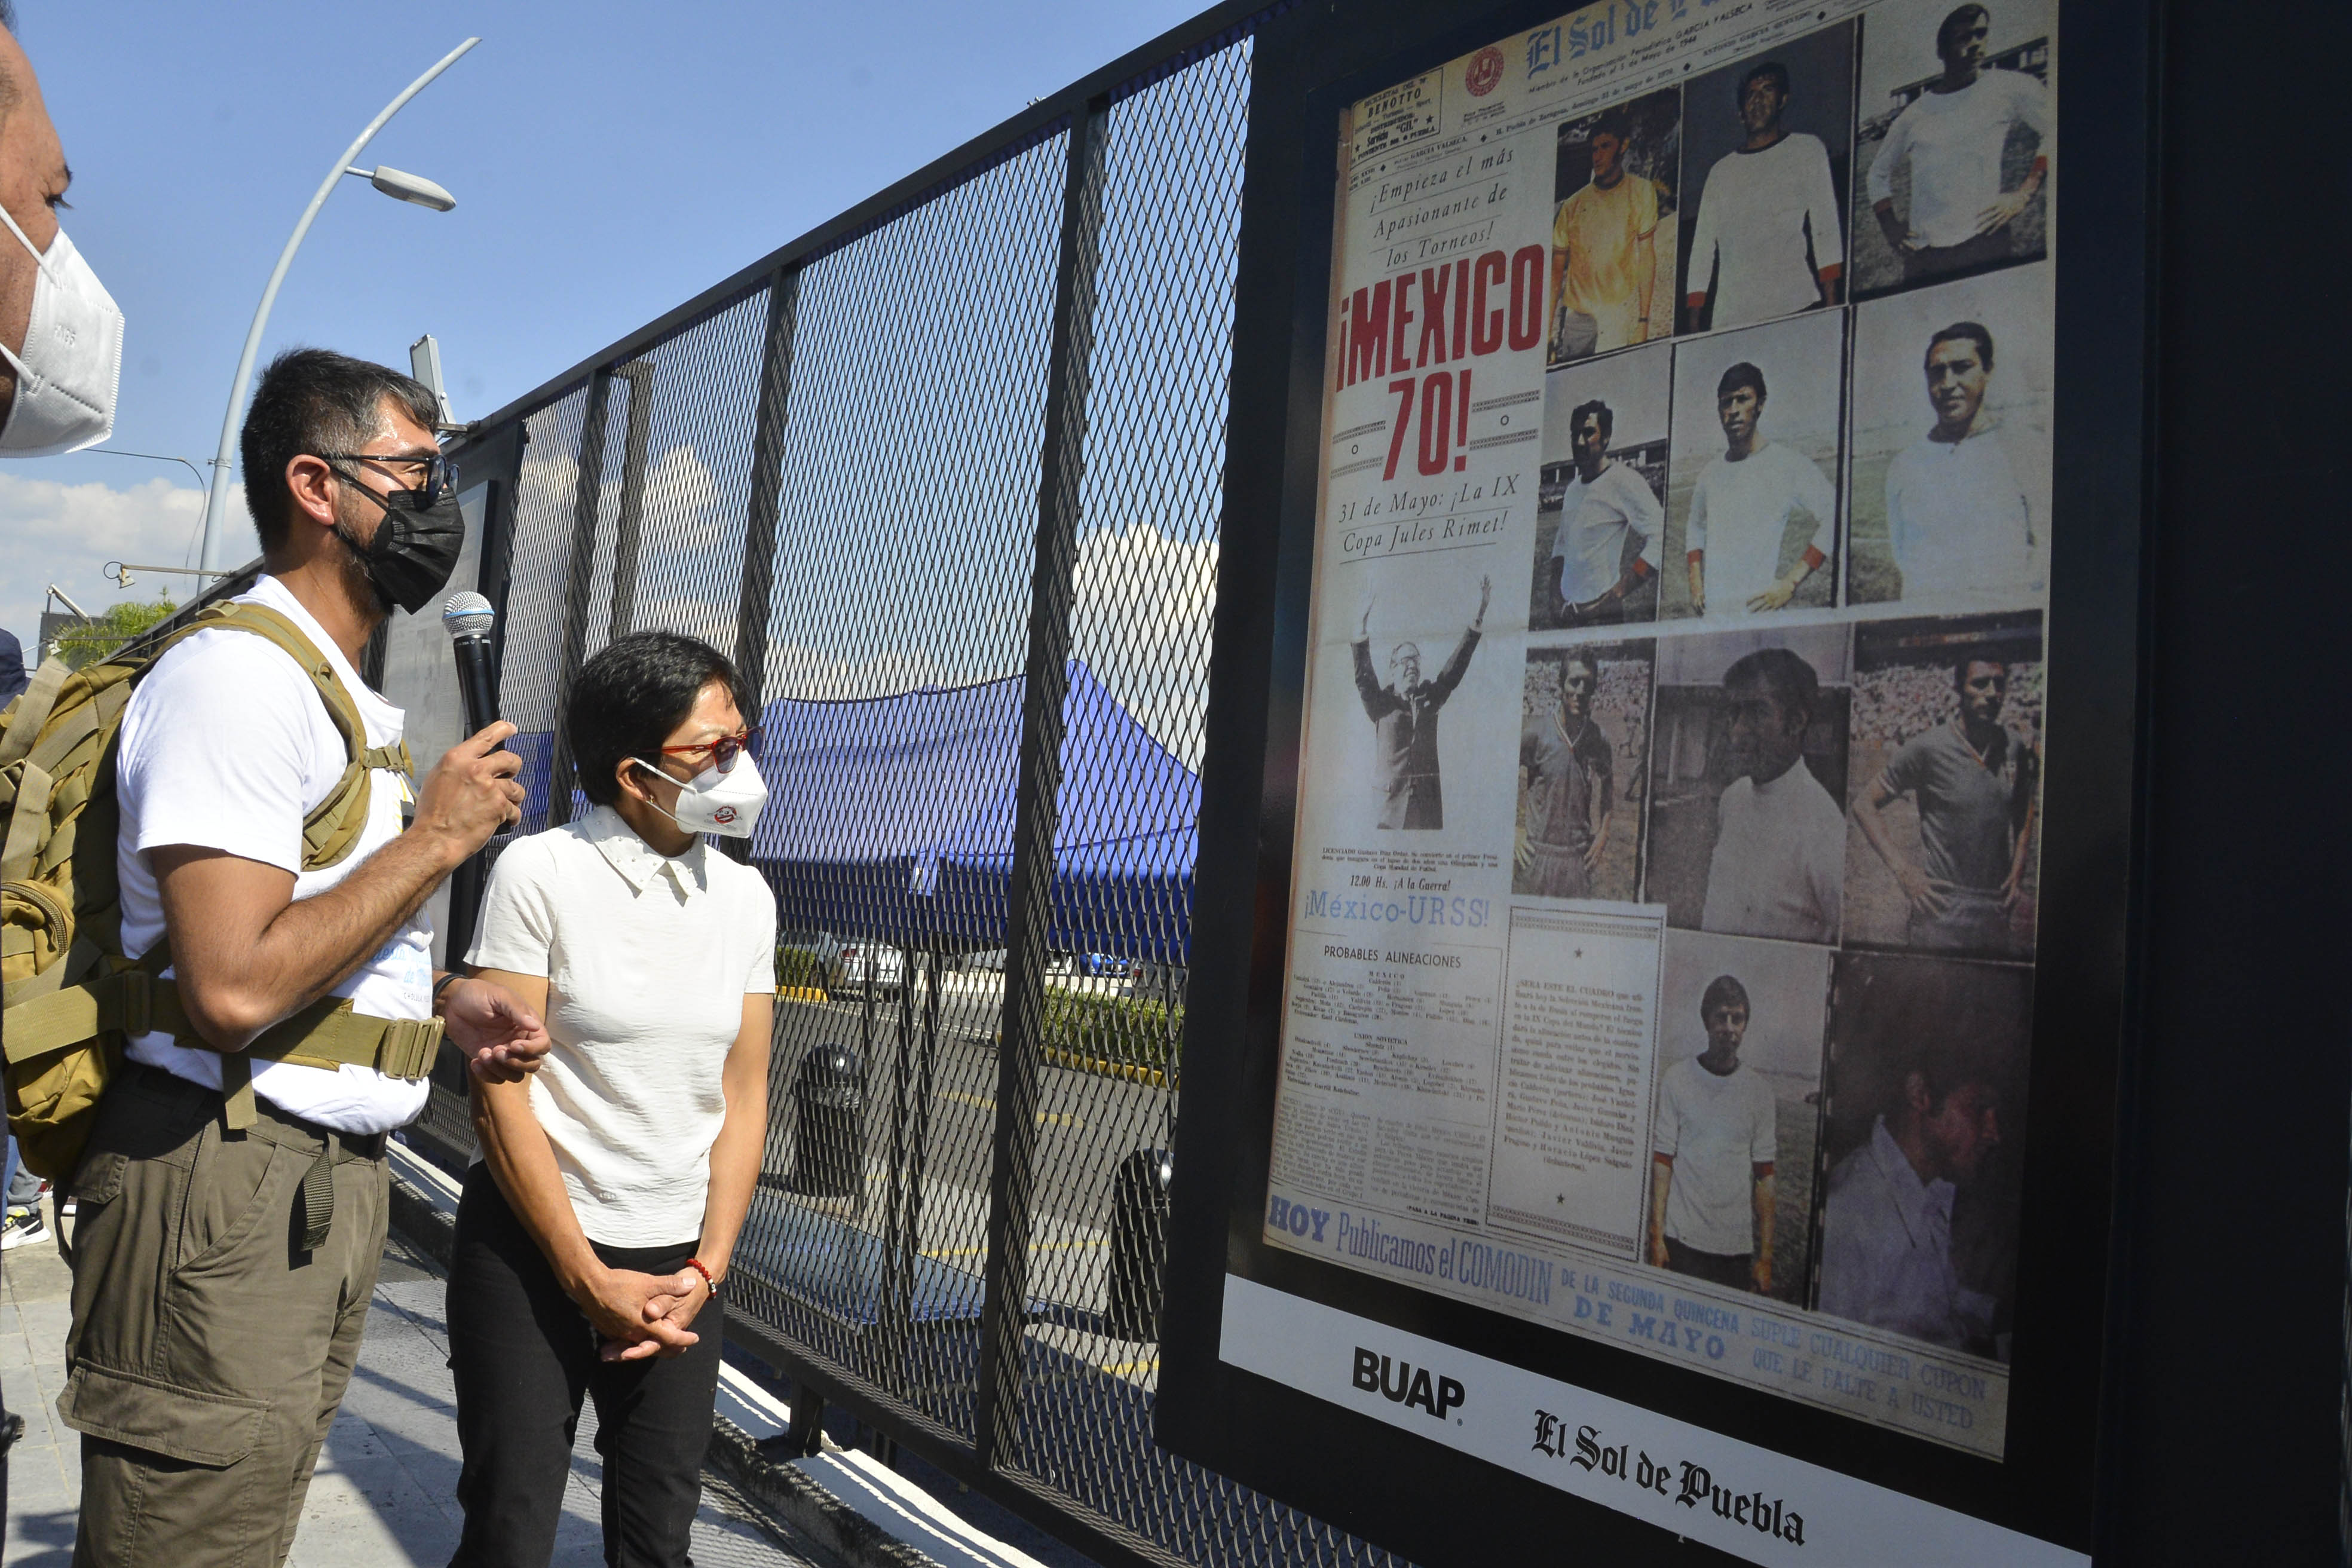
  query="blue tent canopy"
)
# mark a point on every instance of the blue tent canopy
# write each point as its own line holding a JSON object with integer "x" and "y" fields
{"x": 891, "y": 819}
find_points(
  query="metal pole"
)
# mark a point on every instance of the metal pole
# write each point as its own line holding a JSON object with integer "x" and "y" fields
{"x": 766, "y": 503}
{"x": 217, "y": 500}
{"x": 639, "y": 375}
{"x": 587, "y": 512}
{"x": 1037, "y": 806}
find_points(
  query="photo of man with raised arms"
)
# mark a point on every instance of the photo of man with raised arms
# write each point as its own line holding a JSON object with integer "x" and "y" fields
{"x": 1610, "y": 284}
{"x": 1713, "y": 1145}
{"x": 1949, "y": 144}
{"x": 1611, "y": 522}
{"x": 1403, "y": 711}
{"x": 1947, "y": 712}
{"x": 1751, "y": 502}
{"x": 1770, "y": 237}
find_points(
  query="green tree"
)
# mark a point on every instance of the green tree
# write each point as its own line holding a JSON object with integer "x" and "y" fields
{"x": 101, "y": 635}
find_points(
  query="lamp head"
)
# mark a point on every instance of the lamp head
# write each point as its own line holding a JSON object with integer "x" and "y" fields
{"x": 406, "y": 187}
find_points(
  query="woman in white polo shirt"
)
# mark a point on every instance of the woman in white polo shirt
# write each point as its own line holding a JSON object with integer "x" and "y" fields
{"x": 593, "y": 1237}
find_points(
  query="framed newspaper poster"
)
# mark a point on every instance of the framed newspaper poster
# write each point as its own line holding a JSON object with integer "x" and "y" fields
{"x": 1683, "y": 944}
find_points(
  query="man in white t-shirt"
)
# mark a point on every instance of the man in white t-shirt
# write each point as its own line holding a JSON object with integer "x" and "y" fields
{"x": 227, "y": 1243}
{"x": 1958, "y": 520}
{"x": 1778, "y": 866}
{"x": 1742, "y": 506}
{"x": 1713, "y": 1143}
{"x": 1768, "y": 221}
{"x": 1953, "y": 136}
{"x": 1607, "y": 506}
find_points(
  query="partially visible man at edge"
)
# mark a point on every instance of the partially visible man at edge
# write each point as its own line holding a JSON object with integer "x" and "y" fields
{"x": 217, "y": 1321}
{"x": 57, "y": 386}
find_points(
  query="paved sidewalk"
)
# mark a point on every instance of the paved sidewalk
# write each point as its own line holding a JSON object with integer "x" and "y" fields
{"x": 384, "y": 1491}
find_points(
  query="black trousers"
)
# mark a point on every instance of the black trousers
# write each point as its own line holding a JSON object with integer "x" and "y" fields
{"x": 524, "y": 1353}
{"x": 1734, "y": 1269}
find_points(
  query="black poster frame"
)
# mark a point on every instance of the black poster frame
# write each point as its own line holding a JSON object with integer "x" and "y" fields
{"x": 1311, "y": 63}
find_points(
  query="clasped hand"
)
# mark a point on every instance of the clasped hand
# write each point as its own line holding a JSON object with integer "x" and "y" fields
{"x": 638, "y": 1316}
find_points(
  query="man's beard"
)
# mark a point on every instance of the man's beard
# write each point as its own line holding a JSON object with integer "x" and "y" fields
{"x": 358, "y": 585}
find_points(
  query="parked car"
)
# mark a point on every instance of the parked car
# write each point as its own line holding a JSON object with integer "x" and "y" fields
{"x": 886, "y": 964}
{"x": 821, "y": 945}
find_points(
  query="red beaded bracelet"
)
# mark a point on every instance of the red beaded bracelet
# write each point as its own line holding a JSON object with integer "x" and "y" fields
{"x": 696, "y": 1263}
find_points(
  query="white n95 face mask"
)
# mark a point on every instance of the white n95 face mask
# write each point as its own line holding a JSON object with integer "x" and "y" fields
{"x": 70, "y": 371}
{"x": 726, "y": 804}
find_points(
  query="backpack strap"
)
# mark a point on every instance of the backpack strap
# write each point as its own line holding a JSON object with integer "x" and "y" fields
{"x": 334, "y": 825}
{"x": 32, "y": 710}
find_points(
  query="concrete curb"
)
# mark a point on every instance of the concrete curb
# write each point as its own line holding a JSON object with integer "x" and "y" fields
{"x": 796, "y": 1497}
{"x": 790, "y": 1494}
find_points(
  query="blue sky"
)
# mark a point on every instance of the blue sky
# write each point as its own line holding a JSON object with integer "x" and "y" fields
{"x": 608, "y": 162}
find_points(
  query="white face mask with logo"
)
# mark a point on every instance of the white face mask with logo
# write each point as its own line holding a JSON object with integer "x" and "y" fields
{"x": 726, "y": 804}
{"x": 70, "y": 371}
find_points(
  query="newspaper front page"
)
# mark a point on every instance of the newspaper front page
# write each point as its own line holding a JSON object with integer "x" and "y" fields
{"x": 1661, "y": 946}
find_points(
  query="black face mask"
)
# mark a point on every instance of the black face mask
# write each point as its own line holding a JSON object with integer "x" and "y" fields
{"x": 415, "y": 549}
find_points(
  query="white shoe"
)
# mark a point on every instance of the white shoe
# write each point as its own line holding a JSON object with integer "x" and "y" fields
{"x": 23, "y": 1226}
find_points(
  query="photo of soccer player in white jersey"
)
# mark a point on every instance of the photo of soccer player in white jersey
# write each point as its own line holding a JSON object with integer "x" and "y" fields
{"x": 1950, "y": 504}
{"x": 1600, "y": 510}
{"x": 1751, "y": 497}
{"x": 1766, "y": 141}
{"x": 1956, "y": 138}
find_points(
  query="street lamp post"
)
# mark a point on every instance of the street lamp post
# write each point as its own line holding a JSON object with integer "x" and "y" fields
{"x": 391, "y": 183}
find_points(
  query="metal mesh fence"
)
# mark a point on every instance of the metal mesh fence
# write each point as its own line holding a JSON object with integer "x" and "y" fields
{"x": 949, "y": 485}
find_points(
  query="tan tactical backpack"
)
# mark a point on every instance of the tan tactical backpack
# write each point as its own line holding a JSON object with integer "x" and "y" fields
{"x": 71, "y": 994}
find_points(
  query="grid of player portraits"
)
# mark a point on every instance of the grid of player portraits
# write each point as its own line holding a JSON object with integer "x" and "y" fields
{"x": 1842, "y": 823}
{"x": 1799, "y": 362}
{"x": 1799, "y": 352}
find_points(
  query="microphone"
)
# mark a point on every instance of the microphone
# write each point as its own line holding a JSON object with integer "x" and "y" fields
{"x": 467, "y": 619}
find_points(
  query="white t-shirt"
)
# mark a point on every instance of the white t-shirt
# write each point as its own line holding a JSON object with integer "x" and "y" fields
{"x": 1778, "y": 867}
{"x": 1752, "y": 217}
{"x": 1959, "y": 522}
{"x": 1954, "y": 141}
{"x": 227, "y": 745}
{"x": 1717, "y": 1128}
{"x": 1593, "y": 522}
{"x": 1740, "y": 515}
{"x": 647, "y": 960}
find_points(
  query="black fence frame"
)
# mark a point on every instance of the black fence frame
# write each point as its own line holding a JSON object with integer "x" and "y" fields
{"x": 493, "y": 448}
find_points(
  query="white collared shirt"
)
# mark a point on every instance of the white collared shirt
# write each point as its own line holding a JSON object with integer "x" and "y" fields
{"x": 227, "y": 745}
{"x": 647, "y": 959}
{"x": 1886, "y": 1249}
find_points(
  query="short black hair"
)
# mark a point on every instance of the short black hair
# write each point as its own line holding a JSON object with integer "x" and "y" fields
{"x": 1784, "y": 673}
{"x": 1954, "y": 21}
{"x": 1613, "y": 122}
{"x": 1772, "y": 68}
{"x": 1723, "y": 989}
{"x": 1961, "y": 668}
{"x": 316, "y": 401}
{"x": 1739, "y": 376}
{"x": 1947, "y": 1068}
{"x": 630, "y": 697}
{"x": 1967, "y": 332}
{"x": 1608, "y": 420}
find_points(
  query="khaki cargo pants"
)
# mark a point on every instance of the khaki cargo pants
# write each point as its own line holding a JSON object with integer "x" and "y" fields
{"x": 207, "y": 1354}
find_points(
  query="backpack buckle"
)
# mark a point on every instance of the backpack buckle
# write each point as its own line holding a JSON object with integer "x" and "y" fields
{"x": 138, "y": 1002}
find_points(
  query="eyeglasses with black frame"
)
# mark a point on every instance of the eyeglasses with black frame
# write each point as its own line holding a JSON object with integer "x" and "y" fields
{"x": 440, "y": 472}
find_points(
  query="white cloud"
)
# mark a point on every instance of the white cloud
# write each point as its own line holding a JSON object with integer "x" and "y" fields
{"x": 1144, "y": 603}
{"x": 65, "y": 534}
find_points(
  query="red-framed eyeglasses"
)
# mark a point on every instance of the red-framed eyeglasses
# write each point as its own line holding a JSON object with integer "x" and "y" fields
{"x": 721, "y": 751}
